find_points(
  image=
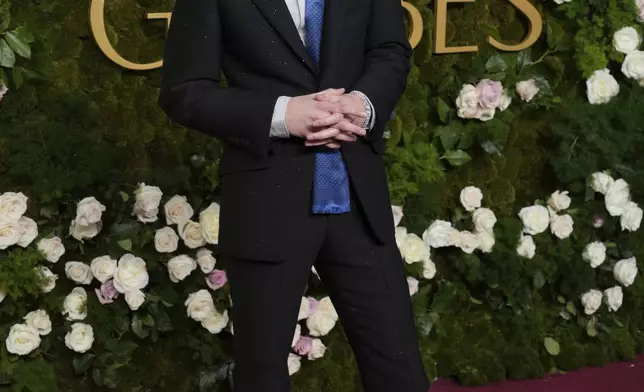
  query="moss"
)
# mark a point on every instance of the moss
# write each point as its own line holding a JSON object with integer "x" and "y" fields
{"x": 522, "y": 363}
{"x": 572, "y": 356}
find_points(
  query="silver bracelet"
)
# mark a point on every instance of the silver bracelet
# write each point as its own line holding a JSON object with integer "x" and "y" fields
{"x": 367, "y": 108}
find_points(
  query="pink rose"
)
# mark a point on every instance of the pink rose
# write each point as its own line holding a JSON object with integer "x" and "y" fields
{"x": 304, "y": 345}
{"x": 216, "y": 280}
{"x": 313, "y": 305}
{"x": 491, "y": 92}
{"x": 107, "y": 293}
{"x": 3, "y": 90}
{"x": 640, "y": 8}
{"x": 599, "y": 222}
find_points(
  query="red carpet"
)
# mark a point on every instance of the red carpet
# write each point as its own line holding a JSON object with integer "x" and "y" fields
{"x": 618, "y": 377}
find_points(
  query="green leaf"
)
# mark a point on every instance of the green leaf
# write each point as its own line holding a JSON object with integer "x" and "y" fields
{"x": 539, "y": 280}
{"x": 18, "y": 78}
{"x": 138, "y": 328}
{"x": 443, "y": 111}
{"x": 561, "y": 299}
{"x": 570, "y": 307}
{"x": 3, "y": 77}
{"x": 495, "y": 64}
{"x": 83, "y": 363}
{"x": 491, "y": 148}
{"x": 554, "y": 33}
{"x": 5, "y": 15}
{"x": 565, "y": 315}
{"x": 125, "y": 244}
{"x": 18, "y": 45}
{"x": 524, "y": 58}
{"x": 426, "y": 323}
{"x": 448, "y": 136}
{"x": 552, "y": 346}
{"x": 591, "y": 329}
{"x": 457, "y": 157}
{"x": 7, "y": 57}
{"x": 24, "y": 34}
{"x": 124, "y": 196}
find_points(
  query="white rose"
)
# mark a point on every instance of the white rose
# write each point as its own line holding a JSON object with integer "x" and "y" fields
{"x": 397, "y": 213}
{"x": 216, "y": 322}
{"x": 467, "y": 102}
{"x": 75, "y": 304}
{"x": 209, "y": 221}
{"x": 631, "y": 218}
{"x": 294, "y": 363}
{"x": 601, "y": 182}
{"x": 146, "y": 206}
{"x": 527, "y": 89}
{"x": 296, "y": 335}
{"x": 486, "y": 114}
{"x": 601, "y": 87}
{"x": 591, "y": 301}
{"x": 304, "y": 309}
{"x": 28, "y": 231}
{"x": 134, "y": 299}
{"x": 200, "y": 305}
{"x": 559, "y": 2}
{"x": 48, "y": 279}
{"x": 595, "y": 253}
{"x": 206, "y": 260}
{"x": 131, "y": 274}
{"x": 471, "y": 198}
{"x": 323, "y": 320}
{"x": 401, "y": 234}
{"x": 51, "y": 248}
{"x": 535, "y": 219}
{"x": 414, "y": 249}
{"x": 633, "y": 65}
{"x": 192, "y": 235}
{"x": 626, "y": 40}
{"x": 80, "y": 232}
{"x": 625, "y": 271}
{"x": 484, "y": 219}
{"x": 559, "y": 201}
{"x": 3, "y": 295}
{"x": 89, "y": 211}
{"x": 10, "y": 234}
{"x": 617, "y": 197}
{"x": 526, "y": 247}
{"x": 562, "y": 226}
{"x": 486, "y": 240}
{"x": 80, "y": 338}
{"x": 166, "y": 240}
{"x": 325, "y": 305}
{"x": 22, "y": 339}
{"x": 318, "y": 349}
{"x": 440, "y": 234}
{"x": 12, "y": 206}
{"x": 506, "y": 100}
{"x": 181, "y": 267}
{"x": 78, "y": 272}
{"x": 468, "y": 241}
{"x": 177, "y": 210}
{"x": 103, "y": 268}
{"x": 613, "y": 297}
{"x": 39, "y": 319}
{"x": 412, "y": 283}
{"x": 429, "y": 269}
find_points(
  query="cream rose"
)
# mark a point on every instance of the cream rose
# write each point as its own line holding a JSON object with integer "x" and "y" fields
{"x": 527, "y": 89}
{"x": 631, "y": 218}
{"x": 429, "y": 269}
{"x": 412, "y": 283}
{"x": 486, "y": 240}
{"x": 103, "y": 268}
{"x": 626, "y": 40}
{"x": 75, "y": 304}
{"x": 467, "y": 102}
{"x": 559, "y": 201}
{"x": 39, "y": 319}
{"x": 146, "y": 206}
{"x": 12, "y": 206}
{"x": 397, "y": 213}
{"x": 22, "y": 339}
{"x": 166, "y": 240}
{"x": 506, "y": 100}
{"x": 633, "y": 65}
{"x": 89, "y": 211}
{"x": 322, "y": 321}
{"x": 3, "y": 295}
{"x": 318, "y": 349}
{"x": 131, "y": 274}
{"x": 180, "y": 267}
{"x": 526, "y": 247}
{"x": 617, "y": 197}
{"x": 28, "y": 231}
{"x": 562, "y": 226}
{"x": 595, "y": 253}
{"x": 178, "y": 210}
{"x": 80, "y": 232}
{"x": 192, "y": 235}
{"x": 468, "y": 241}
{"x": 80, "y": 338}
{"x": 401, "y": 234}
{"x": 209, "y": 221}
{"x": 200, "y": 305}
{"x": 78, "y": 272}
{"x": 294, "y": 363}
{"x": 535, "y": 219}
{"x": 471, "y": 198}
{"x": 613, "y": 298}
{"x": 625, "y": 271}
{"x": 601, "y": 87}
{"x": 601, "y": 182}
{"x": 483, "y": 219}
{"x": 414, "y": 249}
{"x": 305, "y": 308}
{"x": 296, "y": 335}
{"x": 48, "y": 279}
{"x": 216, "y": 322}
{"x": 206, "y": 260}
{"x": 134, "y": 299}
{"x": 10, "y": 234}
{"x": 51, "y": 248}
{"x": 440, "y": 234}
{"x": 591, "y": 301}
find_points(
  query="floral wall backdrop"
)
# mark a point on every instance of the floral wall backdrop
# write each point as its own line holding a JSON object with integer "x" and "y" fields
{"x": 514, "y": 176}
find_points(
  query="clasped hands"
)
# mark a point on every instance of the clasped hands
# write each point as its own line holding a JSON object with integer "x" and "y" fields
{"x": 327, "y": 118}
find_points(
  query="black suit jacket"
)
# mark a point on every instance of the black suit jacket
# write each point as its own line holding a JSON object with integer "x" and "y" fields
{"x": 266, "y": 184}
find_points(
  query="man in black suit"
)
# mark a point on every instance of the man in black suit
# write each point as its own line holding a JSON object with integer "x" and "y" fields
{"x": 311, "y": 85}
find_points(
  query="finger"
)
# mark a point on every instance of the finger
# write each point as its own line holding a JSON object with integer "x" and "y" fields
{"x": 330, "y": 91}
{"x": 340, "y": 108}
{"x": 327, "y": 133}
{"x": 346, "y": 126}
{"x": 328, "y": 97}
{"x": 346, "y": 137}
{"x": 334, "y": 145}
{"x": 328, "y": 120}
{"x": 317, "y": 142}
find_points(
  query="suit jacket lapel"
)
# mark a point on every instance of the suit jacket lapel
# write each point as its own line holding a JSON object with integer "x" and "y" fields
{"x": 277, "y": 14}
{"x": 335, "y": 13}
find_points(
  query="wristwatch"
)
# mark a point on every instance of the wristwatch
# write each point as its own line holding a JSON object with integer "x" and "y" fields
{"x": 367, "y": 108}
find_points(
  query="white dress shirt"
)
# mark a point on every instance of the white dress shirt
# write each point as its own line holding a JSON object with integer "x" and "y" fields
{"x": 278, "y": 124}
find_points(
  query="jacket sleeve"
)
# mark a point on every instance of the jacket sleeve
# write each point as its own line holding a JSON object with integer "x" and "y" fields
{"x": 191, "y": 94}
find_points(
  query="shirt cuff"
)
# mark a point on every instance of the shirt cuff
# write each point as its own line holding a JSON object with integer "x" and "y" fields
{"x": 278, "y": 123}
{"x": 372, "y": 118}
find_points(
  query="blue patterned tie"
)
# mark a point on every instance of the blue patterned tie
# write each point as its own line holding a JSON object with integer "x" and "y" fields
{"x": 330, "y": 180}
